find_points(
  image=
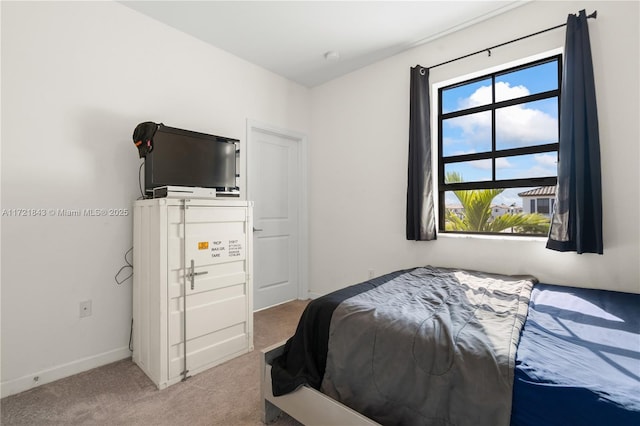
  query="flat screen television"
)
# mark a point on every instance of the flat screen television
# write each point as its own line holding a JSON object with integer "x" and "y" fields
{"x": 186, "y": 158}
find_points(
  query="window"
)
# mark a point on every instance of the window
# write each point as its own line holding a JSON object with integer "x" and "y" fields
{"x": 543, "y": 205}
{"x": 497, "y": 137}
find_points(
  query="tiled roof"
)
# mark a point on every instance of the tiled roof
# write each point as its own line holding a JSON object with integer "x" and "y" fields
{"x": 537, "y": 192}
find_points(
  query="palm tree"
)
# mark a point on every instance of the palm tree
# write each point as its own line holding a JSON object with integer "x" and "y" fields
{"x": 476, "y": 214}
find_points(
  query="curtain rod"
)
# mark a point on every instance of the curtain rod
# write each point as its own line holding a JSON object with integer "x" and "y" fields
{"x": 594, "y": 15}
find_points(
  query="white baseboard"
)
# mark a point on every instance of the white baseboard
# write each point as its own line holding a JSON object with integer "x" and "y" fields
{"x": 29, "y": 381}
{"x": 314, "y": 295}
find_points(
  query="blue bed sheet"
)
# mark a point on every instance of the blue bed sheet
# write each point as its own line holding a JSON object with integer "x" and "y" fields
{"x": 578, "y": 361}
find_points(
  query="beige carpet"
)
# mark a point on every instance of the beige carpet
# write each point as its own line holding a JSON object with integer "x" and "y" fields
{"x": 121, "y": 394}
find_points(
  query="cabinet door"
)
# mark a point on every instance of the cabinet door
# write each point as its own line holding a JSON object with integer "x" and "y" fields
{"x": 214, "y": 237}
{"x": 215, "y": 240}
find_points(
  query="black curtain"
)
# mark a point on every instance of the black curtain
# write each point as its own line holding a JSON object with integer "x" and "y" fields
{"x": 576, "y": 224}
{"x": 421, "y": 222}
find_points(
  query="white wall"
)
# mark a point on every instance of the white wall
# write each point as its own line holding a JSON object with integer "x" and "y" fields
{"x": 358, "y": 168}
{"x": 77, "y": 77}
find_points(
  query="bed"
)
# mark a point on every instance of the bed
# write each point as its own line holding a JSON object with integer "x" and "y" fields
{"x": 447, "y": 346}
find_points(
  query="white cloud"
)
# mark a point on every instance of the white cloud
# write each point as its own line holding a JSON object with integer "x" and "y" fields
{"x": 546, "y": 160}
{"x": 521, "y": 126}
{"x": 504, "y": 91}
{"x": 518, "y": 125}
{"x": 543, "y": 165}
{"x": 476, "y": 126}
{"x": 503, "y": 163}
{"x": 481, "y": 164}
{"x": 482, "y": 96}
{"x": 537, "y": 165}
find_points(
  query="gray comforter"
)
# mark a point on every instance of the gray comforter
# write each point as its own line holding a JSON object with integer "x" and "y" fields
{"x": 433, "y": 346}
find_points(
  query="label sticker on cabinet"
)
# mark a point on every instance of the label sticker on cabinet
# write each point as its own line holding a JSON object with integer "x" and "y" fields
{"x": 203, "y": 245}
{"x": 228, "y": 248}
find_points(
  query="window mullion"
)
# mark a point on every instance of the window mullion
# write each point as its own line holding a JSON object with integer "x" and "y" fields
{"x": 441, "y": 199}
{"x": 493, "y": 127}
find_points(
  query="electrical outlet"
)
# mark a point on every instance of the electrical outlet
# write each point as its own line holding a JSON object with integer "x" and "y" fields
{"x": 371, "y": 274}
{"x": 85, "y": 308}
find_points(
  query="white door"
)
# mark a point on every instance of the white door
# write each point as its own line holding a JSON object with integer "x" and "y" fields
{"x": 274, "y": 187}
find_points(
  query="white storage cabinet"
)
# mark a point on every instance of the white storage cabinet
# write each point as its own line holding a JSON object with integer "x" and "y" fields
{"x": 205, "y": 248}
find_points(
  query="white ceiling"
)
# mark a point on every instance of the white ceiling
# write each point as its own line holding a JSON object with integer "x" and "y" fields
{"x": 291, "y": 38}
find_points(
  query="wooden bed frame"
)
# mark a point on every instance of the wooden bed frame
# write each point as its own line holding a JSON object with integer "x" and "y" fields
{"x": 307, "y": 405}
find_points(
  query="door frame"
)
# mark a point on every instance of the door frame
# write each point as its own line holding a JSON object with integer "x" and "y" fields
{"x": 303, "y": 211}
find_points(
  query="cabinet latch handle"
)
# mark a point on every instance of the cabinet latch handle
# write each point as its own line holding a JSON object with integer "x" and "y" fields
{"x": 192, "y": 274}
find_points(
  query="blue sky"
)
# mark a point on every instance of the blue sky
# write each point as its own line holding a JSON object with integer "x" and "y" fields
{"x": 529, "y": 124}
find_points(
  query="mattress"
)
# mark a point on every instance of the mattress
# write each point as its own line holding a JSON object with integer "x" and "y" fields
{"x": 578, "y": 360}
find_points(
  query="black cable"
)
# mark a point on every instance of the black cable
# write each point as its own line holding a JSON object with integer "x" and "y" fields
{"x": 131, "y": 336}
{"x": 128, "y": 265}
{"x": 142, "y": 197}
